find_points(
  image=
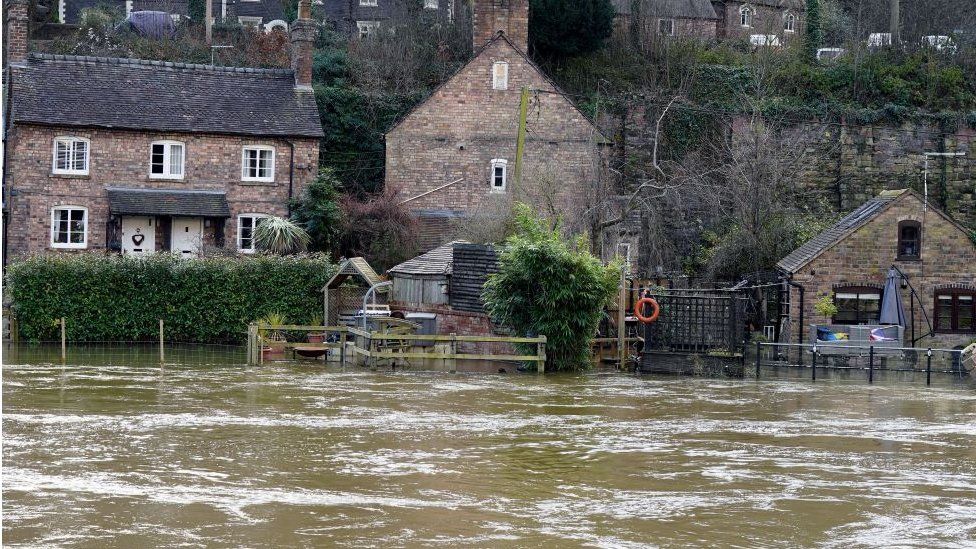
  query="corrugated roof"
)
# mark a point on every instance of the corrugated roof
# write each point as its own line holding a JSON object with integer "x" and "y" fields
{"x": 851, "y": 222}
{"x": 67, "y": 90}
{"x": 438, "y": 261}
{"x": 167, "y": 202}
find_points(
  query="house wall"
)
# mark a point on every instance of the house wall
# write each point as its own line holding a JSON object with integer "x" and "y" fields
{"x": 465, "y": 124}
{"x": 121, "y": 159}
{"x": 767, "y": 19}
{"x": 342, "y": 15}
{"x": 948, "y": 259}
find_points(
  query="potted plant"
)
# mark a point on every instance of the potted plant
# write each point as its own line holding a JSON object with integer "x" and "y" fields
{"x": 825, "y": 307}
{"x": 316, "y": 337}
{"x": 274, "y": 321}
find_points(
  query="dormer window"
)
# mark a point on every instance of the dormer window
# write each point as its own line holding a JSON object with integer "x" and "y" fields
{"x": 70, "y": 156}
{"x": 499, "y": 175}
{"x": 166, "y": 160}
{"x": 499, "y": 75}
{"x": 789, "y": 23}
{"x": 745, "y": 16}
{"x": 909, "y": 241}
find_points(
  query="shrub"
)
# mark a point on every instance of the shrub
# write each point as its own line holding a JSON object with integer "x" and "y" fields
{"x": 318, "y": 211}
{"x": 280, "y": 236}
{"x": 548, "y": 286}
{"x": 117, "y": 298}
{"x": 378, "y": 228}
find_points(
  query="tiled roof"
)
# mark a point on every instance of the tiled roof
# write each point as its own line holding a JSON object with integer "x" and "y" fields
{"x": 167, "y": 202}
{"x": 435, "y": 262}
{"x": 161, "y": 96}
{"x": 681, "y": 9}
{"x": 851, "y": 222}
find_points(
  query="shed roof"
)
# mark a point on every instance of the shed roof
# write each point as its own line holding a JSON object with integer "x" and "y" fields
{"x": 438, "y": 261}
{"x": 167, "y": 202}
{"x": 68, "y": 90}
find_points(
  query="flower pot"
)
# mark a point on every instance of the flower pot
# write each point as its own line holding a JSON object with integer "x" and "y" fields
{"x": 316, "y": 338}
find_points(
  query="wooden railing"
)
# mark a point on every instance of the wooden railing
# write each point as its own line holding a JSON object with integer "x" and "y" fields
{"x": 374, "y": 346}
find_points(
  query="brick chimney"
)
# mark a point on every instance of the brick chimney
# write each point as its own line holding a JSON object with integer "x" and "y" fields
{"x": 303, "y": 32}
{"x": 16, "y": 24}
{"x": 508, "y": 16}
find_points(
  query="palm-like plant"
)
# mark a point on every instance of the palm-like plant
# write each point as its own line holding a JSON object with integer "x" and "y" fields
{"x": 280, "y": 236}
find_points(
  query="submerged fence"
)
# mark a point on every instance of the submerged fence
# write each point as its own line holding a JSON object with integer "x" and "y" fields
{"x": 811, "y": 360}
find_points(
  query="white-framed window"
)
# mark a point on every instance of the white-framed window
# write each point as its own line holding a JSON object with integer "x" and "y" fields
{"x": 745, "y": 16}
{"x": 167, "y": 160}
{"x": 499, "y": 75}
{"x": 432, "y": 4}
{"x": 665, "y": 27}
{"x": 258, "y": 163}
{"x": 499, "y": 175}
{"x": 69, "y": 227}
{"x": 246, "y": 223}
{"x": 71, "y": 155}
{"x": 789, "y": 23}
{"x": 367, "y": 28}
{"x": 368, "y": 3}
{"x": 249, "y": 21}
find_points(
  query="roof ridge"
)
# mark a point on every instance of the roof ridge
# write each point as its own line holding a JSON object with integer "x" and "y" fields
{"x": 127, "y": 61}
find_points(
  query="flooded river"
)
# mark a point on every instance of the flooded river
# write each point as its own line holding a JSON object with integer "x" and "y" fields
{"x": 297, "y": 456}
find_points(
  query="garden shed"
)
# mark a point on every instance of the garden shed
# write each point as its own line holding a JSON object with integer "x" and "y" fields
{"x": 344, "y": 293}
{"x": 425, "y": 279}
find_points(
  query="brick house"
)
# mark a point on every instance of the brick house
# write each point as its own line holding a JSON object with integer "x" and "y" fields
{"x": 363, "y": 17}
{"x": 753, "y": 20}
{"x": 849, "y": 261}
{"x": 139, "y": 156}
{"x": 647, "y": 20}
{"x": 454, "y": 155}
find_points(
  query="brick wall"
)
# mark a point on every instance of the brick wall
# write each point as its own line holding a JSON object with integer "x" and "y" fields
{"x": 948, "y": 258}
{"x": 15, "y": 21}
{"x": 466, "y": 124}
{"x": 121, "y": 159}
{"x": 510, "y": 16}
{"x": 765, "y": 20}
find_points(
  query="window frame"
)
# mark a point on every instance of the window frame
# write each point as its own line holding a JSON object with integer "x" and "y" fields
{"x": 255, "y": 21}
{"x": 495, "y": 164}
{"x": 746, "y": 13}
{"x": 499, "y": 83}
{"x": 73, "y": 140}
{"x": 240, "y": 237}
{"x": 68, "y": 245}
{"x": 367, "y": 28}
{"x": 858, "y": 290}
{"x": 671, "y": 22}
{"x": 899, "y": 256}
{"x": 271, "y": 170}
{"x": 167, "y": 145}
{"x": 368, "y": 3}
{"x": 954, "y": 309}
{"x": 789, "y": 23}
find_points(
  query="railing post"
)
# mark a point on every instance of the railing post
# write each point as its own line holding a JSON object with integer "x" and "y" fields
{"x": 758, "y": 357}
{"x": 342, "y": 348}
{"x": 928, "y": 367}
{"x": 541, "y": 367}
{"x": 260, "y": 346}
{"x": 64, "y": 342}
{"x": 252, "y": 331}
{"x": 813, "y": 365}
{"x": 453, "y": 353}
{"x": 871, "y": 364}
{"x": 162, "y": 352}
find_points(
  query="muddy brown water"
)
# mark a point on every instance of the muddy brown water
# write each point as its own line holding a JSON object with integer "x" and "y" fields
{"x": 288, "y": 455}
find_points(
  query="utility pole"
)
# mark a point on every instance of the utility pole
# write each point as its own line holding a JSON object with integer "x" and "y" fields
{"x": 894, "y": 24}
{"x": 208, "y": 22}
{"x": 520, "y": 140}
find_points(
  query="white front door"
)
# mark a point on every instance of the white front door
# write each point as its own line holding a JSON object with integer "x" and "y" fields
{"x": 138, "y": 235}
{"x": 187, "y": 236}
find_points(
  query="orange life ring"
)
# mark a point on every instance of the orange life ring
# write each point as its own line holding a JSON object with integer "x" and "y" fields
{"x": 639, "y": 310}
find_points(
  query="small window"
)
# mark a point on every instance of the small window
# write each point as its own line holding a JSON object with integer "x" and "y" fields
{"x": 909, "y": 240}
{"x": 166, "y": 160}
{"x": 246, "y": 223}
{"x": 71, "y": 155}
{"x": 69, "y": 227}
{"x": 745, "y": 16}
{"x": 499, "y": 75}
{"x": 499, "y": 175}
{"x": 367, "y": 28}
{"x": 955, "y": 311}
{"x": 857, "y": 305}
{"x": 789, "y": 23}
{"x": 431, "y": 4}
{"x": 368, "y": 3}
{"x": 258, "y": 164}
{"x": 665, "y": 27}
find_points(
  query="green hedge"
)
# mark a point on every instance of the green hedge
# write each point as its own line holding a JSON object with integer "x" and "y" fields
{"x": 115, "y": 298}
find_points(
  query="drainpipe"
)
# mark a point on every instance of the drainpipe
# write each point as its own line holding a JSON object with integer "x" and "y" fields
{"x": 291, "y": 174}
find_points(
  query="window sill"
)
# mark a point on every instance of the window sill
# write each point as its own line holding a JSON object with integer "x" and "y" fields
{"x": 62, "y": 247}
{"x": 166, "y": 177}
{"x": 259, "y": 182}
{"x": 909, "y": 259}
{"x": 70, "y": 175}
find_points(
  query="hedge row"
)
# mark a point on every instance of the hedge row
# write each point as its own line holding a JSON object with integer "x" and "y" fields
{"x": 115, "y": 298}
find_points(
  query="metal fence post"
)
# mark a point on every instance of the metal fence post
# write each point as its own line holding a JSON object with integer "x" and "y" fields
{"x": 871, "y": 364}
{"x": 64, "y": 342}
{"x": 928, "y": 367}
{"x": 813, "y": 365}
{"x": 758, "y": 357}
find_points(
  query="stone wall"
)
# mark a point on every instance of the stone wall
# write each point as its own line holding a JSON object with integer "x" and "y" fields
{"x": 121, "y": 159}
{"x": 948, "y": 259}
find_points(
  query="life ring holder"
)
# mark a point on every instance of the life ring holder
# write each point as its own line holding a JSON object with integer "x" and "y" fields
{"x": 639, "y": 310}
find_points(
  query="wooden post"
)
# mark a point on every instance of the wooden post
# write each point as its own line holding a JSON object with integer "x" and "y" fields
{"x": 208, "y": 15}
{"x": 342, "y": 348}
{"x": 260, "y": 346}
{"x": 542, "y": 356}
{"x": 622, "y": 321}
{"x": 251, "y": 336}
{"x": 162, "y": 353}
{"x": 453, "y": 353}
{"x": 64, "y": 342}
{"x": 14, "y": 328}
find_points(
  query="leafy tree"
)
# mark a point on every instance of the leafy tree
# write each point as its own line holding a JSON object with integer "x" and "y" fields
{"x": 566, "y": 28}
{"x": 814, "y": 31}
{"x": 548, "y": 286}
{"x": 318, "y": 211}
